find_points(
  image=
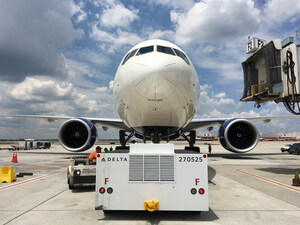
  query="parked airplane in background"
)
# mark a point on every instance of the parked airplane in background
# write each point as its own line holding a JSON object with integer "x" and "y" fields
{"x": 156, "y": 92}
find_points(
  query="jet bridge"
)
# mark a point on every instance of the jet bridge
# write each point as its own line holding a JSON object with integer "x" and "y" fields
{"x": 271, "y": 73}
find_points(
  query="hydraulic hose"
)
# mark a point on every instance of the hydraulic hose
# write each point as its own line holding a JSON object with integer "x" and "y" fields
{"x": 292, "y": 105}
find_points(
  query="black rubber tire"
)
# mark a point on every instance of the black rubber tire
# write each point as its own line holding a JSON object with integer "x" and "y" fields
{"x": 71, "y": 187}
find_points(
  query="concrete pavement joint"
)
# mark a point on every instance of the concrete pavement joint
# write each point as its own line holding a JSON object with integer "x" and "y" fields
{"x": 35, "y": 206}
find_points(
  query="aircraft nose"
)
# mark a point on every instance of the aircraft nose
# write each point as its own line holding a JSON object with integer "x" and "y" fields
{"x": 155, "y": 77}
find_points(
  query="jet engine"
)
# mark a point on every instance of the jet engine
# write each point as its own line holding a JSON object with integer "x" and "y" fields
{"x": 77, "y": 135}
{"x": 238, "y": 135}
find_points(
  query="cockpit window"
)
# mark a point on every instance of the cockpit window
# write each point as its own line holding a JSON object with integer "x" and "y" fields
{"x": 145, "y": 50}
{"x": 164, "y": 49}
{"x": 182, "y": 55}
{"x": 129, "y": 55}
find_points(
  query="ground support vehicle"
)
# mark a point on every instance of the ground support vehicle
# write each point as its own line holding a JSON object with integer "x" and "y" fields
{"x": 295, "y": 149}
{"x": 285, "y": 148}
{"x": 152, "y": 177}
{"x": 80, "y": 173}
{"x": 30, "y": 144}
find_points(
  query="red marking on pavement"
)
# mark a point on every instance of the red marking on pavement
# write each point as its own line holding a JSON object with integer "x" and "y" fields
{"x": 31, "y": 180}
{"x": 270, "y": 181}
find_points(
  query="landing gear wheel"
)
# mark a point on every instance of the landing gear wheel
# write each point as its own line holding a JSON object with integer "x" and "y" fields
{"x": 71, "y": 187}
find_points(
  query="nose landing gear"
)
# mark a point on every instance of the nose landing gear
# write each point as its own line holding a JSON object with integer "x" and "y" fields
{"x": 191, "y": 139}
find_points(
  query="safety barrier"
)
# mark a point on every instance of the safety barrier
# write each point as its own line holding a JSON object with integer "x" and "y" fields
{"x": 7, "y": 174}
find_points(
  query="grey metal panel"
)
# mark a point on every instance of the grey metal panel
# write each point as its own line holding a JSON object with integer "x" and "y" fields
{"x": 136, "y": 168}
{"x": 166, "y": 168}
{"x": 151, "y": 168}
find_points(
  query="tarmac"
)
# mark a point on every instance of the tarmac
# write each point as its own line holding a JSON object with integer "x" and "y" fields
{"x": 251, "y": 188}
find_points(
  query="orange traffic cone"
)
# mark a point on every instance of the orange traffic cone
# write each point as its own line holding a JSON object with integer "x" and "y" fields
{"x": 14, "y": 158}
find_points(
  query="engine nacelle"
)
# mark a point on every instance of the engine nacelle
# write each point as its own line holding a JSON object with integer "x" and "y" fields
{"x": 238, "y": 135}
{"x": 77, "y": 135}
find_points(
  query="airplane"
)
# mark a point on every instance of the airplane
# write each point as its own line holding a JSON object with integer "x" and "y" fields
{"x": 156, "y": 93}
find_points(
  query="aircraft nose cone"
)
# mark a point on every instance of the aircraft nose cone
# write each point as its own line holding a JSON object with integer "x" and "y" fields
{"x": 155, "y": 80}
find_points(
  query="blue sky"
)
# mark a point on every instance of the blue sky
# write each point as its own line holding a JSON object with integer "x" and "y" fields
{"x": 60, "y": 57}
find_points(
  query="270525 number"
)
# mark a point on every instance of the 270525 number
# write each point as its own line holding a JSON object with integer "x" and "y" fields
{"x": 190, "y": 159}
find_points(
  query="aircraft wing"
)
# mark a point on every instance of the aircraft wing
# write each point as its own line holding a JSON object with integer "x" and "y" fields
{"x": 119, "y": 125}
{"x": 104, "y": 122}
{"x": 211, "y": 122}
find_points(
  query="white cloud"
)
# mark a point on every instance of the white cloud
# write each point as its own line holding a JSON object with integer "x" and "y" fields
{"x": 225, "y": 102}
{"x": 118, "y": 16}
{"x": 101, "y": 89}
{"x": 222, "y": 58}
{"x": 161, "y": 34}
{"x": 100, "y": 35}
{"x": 250, "y": 113}
{"x": 205, "y": 87}
{"x": 211, "y": 105}
{"x": 79, "y": 71}
{"x": 44, "y": 96}
{"x": 280, "y": 11}
{"x": 31, "y": 31}
{"x": 177, "y": 17}
{"x": 211, "y": 20}
{"x": 215, "y": 114}
{"x": 89, "y": 56}
{"x": 221, "y": 95}
{"x": 111, "y": 85}
{"x": 212, "y": 31}
{"x": 112, "y": 28}
{"x": 112, "y": 41}
{"x": 127, "y": 38}
{"x": 34, "y": 89}
{"x": 176, "y": 4}
{"x": 80, "y": 14}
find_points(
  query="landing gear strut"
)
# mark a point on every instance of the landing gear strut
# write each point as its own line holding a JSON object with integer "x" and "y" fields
{"x": 191, "y": 139}
{"x": 123, "y": 139}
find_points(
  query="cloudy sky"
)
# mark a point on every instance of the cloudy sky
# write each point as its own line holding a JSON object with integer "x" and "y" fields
{"x": 60, "y": 57}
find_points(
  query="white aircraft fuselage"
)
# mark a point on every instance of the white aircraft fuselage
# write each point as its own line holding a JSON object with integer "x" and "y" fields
{"x": 156, "y": 89}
